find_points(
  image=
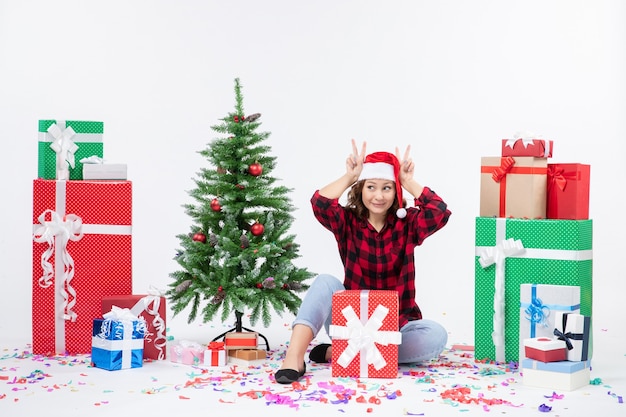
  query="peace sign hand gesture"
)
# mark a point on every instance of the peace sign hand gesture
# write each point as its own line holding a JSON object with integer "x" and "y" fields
{"x": 354, "y": 162}
{"x": 407, "y": 167}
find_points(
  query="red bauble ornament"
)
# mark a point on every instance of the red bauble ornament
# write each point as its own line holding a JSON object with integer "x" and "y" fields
{"x": 259, "y": 285}
{"x": 215, "y": 205}
{"x": 255, "y": 169}
{"x": 257, "y": 229}
{"x": 199, "y": 237}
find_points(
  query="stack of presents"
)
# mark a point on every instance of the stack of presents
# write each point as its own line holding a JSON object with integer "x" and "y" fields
{"x": 533, "y": 265}
{"x": 82, "y": 300}
{"x": 533, "y": 277}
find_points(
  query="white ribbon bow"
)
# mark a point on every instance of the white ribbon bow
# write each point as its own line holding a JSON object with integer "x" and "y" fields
{"x": 526, "y": 138}
{"x": 123, "y": 338}
{"x": 64, "y": 146}
{"x": 56, "y": 233}
{"x": 153, "y": 299}
{"x": 120, "y": 314}
{"x": 363, "y": 337}
{"x": 497, "y": 255}
{"x": 93, "y": 159}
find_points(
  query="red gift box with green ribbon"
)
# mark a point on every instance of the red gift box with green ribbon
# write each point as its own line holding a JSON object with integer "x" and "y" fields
{"x": 568, "y": 191}
{"x": 82, "y": 252}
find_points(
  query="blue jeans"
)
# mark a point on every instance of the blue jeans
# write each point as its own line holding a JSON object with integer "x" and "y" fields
{"x": 422, "y": 340}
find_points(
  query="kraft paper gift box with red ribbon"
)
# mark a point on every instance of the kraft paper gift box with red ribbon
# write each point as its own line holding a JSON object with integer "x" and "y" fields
{"x": 187, "y": 352}
{"x": 512, "y": 252}
{"x": 62, "y": 145}
{"x": 568, "y": 191}
{"x": 150, "y": 307}
{"x": 248, "y": 354}
{"x": 215, "y": 354}
{"x": 527, "y": 146}
{"x": 82, "y": 252}
{"x": 117, "y": 340}
{"x": 538, "y": 309}
{"x": 513, "y": 187}
{"x": 556, "y": 376}
{"x": 364, "y": 333}
{"x": 575, "y": 330}
{"x": 241, "y": 340}
{"x": 545, "y": 349}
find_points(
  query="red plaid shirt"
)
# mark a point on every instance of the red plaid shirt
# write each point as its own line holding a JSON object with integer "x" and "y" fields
{"x": 383, "y": 260}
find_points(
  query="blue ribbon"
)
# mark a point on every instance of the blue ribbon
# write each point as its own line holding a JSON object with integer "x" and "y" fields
{"x": 537, "y": 313}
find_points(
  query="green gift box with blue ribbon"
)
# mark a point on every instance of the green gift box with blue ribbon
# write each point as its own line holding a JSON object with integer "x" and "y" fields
{"x": 510, "y": 252}
{"x": 63, "y": 143}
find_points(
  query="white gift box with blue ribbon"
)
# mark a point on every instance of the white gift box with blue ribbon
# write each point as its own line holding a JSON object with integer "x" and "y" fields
{"x": 556, "y": 376}
{"x": 539, "y": 305}
{"x": 118, "y": 340}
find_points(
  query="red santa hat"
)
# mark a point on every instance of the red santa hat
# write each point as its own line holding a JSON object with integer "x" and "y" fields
{"x": 384, "y": 166}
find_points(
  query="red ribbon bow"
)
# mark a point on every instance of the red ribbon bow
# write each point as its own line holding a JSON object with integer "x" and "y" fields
{"x": 556, "y": 176}
{"x": 216, "y": 346}
{"x": 505, "y": 166}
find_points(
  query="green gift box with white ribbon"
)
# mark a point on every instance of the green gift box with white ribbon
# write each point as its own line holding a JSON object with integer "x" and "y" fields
{"x": 510, "y": 252}
{"x": 63, "y": 143}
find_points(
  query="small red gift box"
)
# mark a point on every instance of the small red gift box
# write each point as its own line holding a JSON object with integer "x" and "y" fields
{"x": 241, "y": 340}
{"x": 568, "y": 191}
{"x": 82, "y": 251}
{"x": 539, "y": 148}
{"x": 215, "y": 355}
{"x": 152, "y": 309}
{"x": 545, "y": 349}
{"x": 365, "y": 334}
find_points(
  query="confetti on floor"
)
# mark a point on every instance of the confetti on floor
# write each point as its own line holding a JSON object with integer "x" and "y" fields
{"x": 454, "y": 383}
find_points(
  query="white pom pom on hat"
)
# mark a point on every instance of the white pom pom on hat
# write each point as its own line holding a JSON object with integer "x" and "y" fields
{"x": 384, "y": 166}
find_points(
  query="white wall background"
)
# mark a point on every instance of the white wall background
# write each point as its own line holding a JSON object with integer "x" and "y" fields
{"x": 451, "y": 78}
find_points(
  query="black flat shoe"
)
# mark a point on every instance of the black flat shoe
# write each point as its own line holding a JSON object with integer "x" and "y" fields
{"x": 318, "y": 353}
{"x": 287, "y": 376}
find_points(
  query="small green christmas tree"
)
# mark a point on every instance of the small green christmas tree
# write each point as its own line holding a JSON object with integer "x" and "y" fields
{"x": 239, "y": 254}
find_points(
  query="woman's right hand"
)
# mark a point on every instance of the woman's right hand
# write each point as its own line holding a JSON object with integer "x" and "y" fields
{"x": 354, "y": 163}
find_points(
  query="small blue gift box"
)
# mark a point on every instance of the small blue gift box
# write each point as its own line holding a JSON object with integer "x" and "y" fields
{"x": 117, "y": 344}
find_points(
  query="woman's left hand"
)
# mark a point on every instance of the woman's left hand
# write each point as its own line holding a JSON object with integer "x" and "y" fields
{"x": 407, "y": 167}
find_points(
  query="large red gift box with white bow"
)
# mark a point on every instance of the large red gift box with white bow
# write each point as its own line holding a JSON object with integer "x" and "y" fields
{"x": 82, "y": 252}
{"x": 365, "y": 334}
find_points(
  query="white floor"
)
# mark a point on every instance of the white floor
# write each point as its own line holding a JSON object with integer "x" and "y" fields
{"x": 68, "y": 386}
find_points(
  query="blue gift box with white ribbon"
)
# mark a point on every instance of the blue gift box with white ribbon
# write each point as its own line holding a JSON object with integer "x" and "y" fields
{"x": 117, "y": 343}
